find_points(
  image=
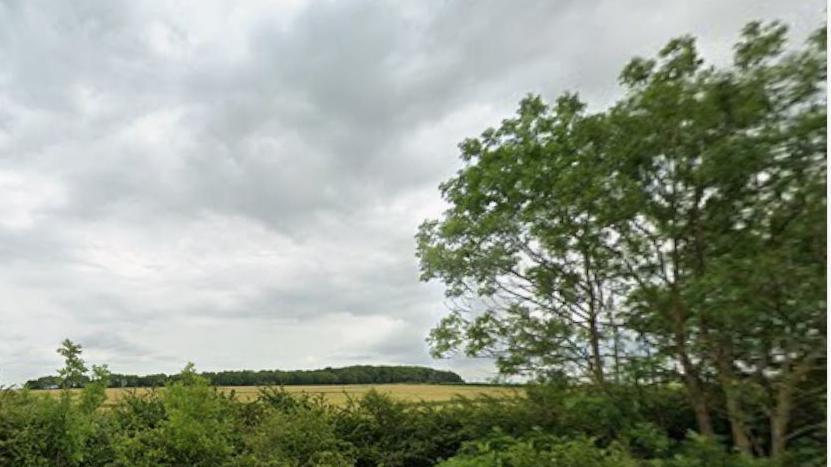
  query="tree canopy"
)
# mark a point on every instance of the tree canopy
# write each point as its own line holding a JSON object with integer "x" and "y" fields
{"x": 72, "y": 373}
{"x": 677, "y": 235}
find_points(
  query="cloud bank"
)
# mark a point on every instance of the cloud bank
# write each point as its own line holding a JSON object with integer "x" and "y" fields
{"x": 239, "y": 183}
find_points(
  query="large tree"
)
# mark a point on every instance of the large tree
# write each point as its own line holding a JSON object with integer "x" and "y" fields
{"x": 521, "y": 247}
{"x": 685, "y": 222}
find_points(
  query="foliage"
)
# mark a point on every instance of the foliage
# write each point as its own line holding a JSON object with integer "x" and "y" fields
{"x": 539, "y": 450}
{"x": 698, "y": 451}
{"x": 190, "y": 423}
{"x": 95, "y": 391}
{"x": 676, "y": 237}
{"x": 359, "y": 374}
{"x": 296, "y": 431}
{"x": 388, "y": 432}
{"x": 72, "y": 374}
{"x": 197, "y": 428}
{"x": 43, "y": 430}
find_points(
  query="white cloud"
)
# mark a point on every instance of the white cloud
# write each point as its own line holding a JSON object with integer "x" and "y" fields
{"x": 27, "y": 198}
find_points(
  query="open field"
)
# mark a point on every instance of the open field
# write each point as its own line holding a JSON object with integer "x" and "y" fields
{"x": 338, "y": 394}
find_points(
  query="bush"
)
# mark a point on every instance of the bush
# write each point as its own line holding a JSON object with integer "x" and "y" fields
{"x": 45, "y": 430}
{"x": 391, "y": 433}
{"x": 698, "y": 451}
{"x": 539, "y": 450}
{"x": 646, "y": 441}
{"x": 297, "y": 438}
{"x": 190, "y": 423}
{"x": 196, "y": 429}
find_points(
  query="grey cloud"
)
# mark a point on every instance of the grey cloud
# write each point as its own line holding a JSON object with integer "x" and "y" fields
{"x": 112, "y": 342}
{"x": 174, "y": 173}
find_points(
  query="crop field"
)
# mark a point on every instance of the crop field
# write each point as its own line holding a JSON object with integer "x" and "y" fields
{"x": 339, "y": 394}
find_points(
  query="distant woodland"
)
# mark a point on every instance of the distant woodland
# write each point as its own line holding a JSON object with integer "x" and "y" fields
{"x": 360, "y": 374}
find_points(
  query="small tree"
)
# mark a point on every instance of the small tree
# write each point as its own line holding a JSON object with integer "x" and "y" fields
{"x": 72, "y": 374}
{"x": 95, "y": 392}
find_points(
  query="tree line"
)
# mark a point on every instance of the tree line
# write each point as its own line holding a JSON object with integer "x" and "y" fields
{"x": 75, "y": 375}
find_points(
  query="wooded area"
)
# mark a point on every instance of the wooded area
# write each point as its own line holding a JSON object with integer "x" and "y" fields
{"x": 358, "y": 374}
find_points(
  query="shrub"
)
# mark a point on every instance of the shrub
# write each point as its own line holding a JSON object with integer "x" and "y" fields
{"x": 297, "y": 438}
{"x": 646, "y": 441}
{"x": 391, "y": 433}
{"x": 698, "y": 451}
{"x": 196, "y": 428}
{"x": 191, "y": 423}
{"x": 44, "y": 430}
{"x": 539, "y": 450}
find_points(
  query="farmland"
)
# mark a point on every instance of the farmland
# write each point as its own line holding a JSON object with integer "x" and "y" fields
{"x": 339, "y": 394}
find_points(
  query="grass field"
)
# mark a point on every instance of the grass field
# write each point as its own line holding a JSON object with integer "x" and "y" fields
{"x": 338, "y": 394}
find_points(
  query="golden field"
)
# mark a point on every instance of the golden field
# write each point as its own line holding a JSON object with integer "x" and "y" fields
{"x": 338, "y": 394}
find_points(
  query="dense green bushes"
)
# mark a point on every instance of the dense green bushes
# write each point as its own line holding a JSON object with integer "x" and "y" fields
{"x": 196, "y": 427}
{"x": 540, "y": 450}
{"x": 190, "y": 423}
{"x": 44, "y": 430}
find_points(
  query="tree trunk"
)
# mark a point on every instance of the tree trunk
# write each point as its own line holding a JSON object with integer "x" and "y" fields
{"x": 596, "y": 362}
{"x": 616, "y": 349}
{"x": 736, "y": 417}
{"x": 597, "y": 359}
{"x": 699, "y": 403}
{"x": 780, "y": 416}
{"x": 695, "y": 391}
{"x": 779, "y": 420}
{"x": 735, "y": 414}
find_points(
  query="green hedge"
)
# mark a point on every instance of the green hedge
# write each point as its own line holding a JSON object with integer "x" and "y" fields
{"x": 191, "y": 423}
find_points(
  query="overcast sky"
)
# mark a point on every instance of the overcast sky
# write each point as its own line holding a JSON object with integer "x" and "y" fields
{"x": 238, "y": 183}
